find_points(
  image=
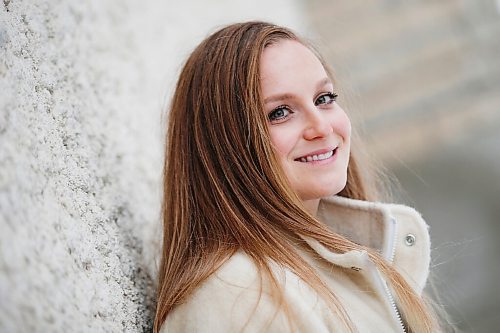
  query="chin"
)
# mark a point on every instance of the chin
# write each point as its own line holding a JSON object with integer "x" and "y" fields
{"x": 324, "y": 191}
{"x": 342, "y": 185}
{"x": 336, "y": 190}
{"x": 336, "y": 186}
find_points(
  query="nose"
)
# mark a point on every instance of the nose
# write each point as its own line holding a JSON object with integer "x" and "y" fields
{"x": 317, "y": 125}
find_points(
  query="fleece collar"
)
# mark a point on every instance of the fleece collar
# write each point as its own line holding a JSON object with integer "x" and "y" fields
{"x": 386, "y": 228}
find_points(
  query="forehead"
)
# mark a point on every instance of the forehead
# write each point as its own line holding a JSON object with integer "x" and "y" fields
{"x": 289, "y": 65}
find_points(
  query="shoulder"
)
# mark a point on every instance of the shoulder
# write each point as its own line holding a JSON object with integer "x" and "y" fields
{"x": 237, "y": 299}
{"x": 233, "y": 299}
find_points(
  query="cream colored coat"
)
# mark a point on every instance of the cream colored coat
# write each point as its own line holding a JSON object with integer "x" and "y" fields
{"x": 231, "y": 299}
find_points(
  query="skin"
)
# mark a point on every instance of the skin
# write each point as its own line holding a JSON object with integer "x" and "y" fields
{"x": 305, "y": 120}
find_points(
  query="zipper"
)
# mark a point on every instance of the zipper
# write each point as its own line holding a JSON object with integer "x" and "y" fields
{"x": 394, "y": 307}
{"x": 389, "y": 253}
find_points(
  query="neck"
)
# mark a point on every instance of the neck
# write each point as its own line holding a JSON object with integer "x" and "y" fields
{"x": 311, "y": 206}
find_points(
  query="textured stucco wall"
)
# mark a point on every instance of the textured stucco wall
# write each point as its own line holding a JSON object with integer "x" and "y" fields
{"x": 82, "y": 85}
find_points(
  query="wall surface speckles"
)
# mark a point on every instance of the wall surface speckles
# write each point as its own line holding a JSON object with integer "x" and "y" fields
{"x": 82, "y": 89}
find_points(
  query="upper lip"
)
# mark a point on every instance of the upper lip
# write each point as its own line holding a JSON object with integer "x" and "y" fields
{"x": 317, "y": 152}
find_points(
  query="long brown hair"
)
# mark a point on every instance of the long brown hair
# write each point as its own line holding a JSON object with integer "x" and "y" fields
{"x": 224, "y": 188}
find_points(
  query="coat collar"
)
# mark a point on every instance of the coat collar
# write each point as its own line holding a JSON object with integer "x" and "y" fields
{"x": 382, "y": 227}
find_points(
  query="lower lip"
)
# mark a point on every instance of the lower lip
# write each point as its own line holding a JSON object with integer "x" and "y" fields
{"x": 329, "y": 160}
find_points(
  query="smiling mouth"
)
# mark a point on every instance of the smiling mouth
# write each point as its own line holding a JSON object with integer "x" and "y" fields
{"x": 318, "y": 157}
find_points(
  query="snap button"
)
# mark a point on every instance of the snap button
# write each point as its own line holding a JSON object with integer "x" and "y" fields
{"x": 410, "y": 239}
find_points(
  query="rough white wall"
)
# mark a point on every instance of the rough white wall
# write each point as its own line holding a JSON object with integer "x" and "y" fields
{"x": 82, "y": 85}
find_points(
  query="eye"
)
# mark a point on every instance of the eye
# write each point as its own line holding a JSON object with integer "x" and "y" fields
{"x": 279, "y": 114}
{"x": 327, "y": 98}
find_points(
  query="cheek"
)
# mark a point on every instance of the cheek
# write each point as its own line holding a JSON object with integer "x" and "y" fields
{"x": 342, "y": 126}
{"x": 282, "y": 141}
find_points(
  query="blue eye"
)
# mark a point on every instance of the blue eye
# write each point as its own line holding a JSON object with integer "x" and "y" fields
{"x": 280, "y": 113}
{"x": 327, "y": 98}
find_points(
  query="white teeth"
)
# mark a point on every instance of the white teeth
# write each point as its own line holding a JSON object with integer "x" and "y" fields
{"x": 319, "y": 157}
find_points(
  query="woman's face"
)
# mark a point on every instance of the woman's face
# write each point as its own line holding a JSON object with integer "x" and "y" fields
{"x": 309, "y": 130}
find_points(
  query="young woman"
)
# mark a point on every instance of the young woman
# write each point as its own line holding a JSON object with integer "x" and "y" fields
{"x": 267, "y": 223}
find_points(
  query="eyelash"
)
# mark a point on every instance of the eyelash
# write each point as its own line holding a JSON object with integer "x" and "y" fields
{"x": 332, "y": 96}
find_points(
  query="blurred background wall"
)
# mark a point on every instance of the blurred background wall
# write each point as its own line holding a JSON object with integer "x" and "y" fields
{"x": 82, "y": 90}
{"x": 424, "y": 77}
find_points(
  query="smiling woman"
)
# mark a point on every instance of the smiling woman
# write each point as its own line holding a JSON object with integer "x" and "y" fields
{"x": 309, "y": 130}
{"x": 267, "y": 223}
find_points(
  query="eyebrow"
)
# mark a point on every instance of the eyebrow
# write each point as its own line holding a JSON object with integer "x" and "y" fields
{"x": 282, "y": 97}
